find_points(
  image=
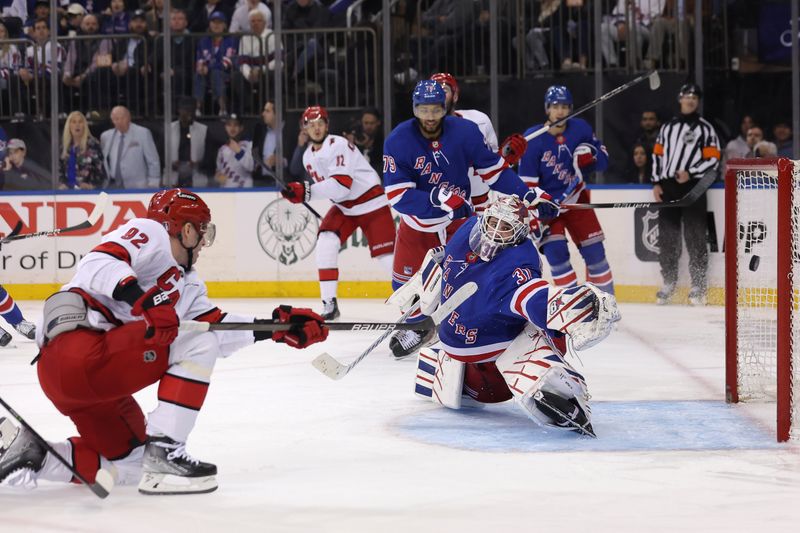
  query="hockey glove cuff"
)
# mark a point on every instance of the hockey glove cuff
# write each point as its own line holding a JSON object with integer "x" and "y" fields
{"x": 297, "y": 192}
{"x": 451, "y": 203}
{"x": 308, "y": 327}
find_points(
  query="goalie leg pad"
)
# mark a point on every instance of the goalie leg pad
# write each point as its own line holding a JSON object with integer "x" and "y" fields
{"x": 425, "y": 284}
{"x": 440, "y": 378}
{"x": 530, "y": 365}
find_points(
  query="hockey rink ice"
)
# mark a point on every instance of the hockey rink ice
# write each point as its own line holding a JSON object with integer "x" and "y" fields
{"x": 299, "y": 452}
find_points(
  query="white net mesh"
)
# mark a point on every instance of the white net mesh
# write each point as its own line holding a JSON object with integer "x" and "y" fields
{"x": 756, "y": 285}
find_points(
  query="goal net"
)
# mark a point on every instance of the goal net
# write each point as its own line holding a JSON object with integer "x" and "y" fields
{"x": 762, "y": 290}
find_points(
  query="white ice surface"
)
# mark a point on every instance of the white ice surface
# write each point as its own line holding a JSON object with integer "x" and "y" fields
{"x": 299, "y": 452}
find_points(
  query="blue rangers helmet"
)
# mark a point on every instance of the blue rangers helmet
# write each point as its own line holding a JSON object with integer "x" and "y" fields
{"x": 557, "y": 94}
{"x": 428, "y": 92}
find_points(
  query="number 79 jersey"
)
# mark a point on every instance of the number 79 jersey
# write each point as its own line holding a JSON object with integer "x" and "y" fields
{"x": 139, "y": 248}
{"x": 342, "y": 174}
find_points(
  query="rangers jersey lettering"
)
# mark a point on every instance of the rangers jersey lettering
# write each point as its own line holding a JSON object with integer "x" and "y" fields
{"x": 237, "y": 167}
{"x": 342, "y": 175}
{"x": 548, "y": 163}
{"x": 511, "y": 293}
{"x": 413, "y": 166}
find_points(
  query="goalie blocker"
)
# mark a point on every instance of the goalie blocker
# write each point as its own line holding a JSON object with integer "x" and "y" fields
{"x": 507, "y": 340}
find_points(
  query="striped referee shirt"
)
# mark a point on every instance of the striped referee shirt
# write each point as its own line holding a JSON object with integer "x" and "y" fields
{"x": 687, "y": 142}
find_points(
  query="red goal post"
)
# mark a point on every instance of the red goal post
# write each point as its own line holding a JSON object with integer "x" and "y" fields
{"x": 762, "y": 291}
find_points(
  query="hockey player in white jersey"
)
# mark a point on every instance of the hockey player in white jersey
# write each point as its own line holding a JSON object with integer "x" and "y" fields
{"x": 512, "y": 148}
{"x": 341, "y": 174}
{"x": 112, "y": 331}
{"x": 235, "y": 158}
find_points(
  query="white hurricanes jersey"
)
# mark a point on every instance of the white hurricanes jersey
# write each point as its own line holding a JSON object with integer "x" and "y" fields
{"x": 237, "y": 167}
{"x": 480, "y": 191}
{"x": 141, "y": 249}
{"x": 343, "y": 175}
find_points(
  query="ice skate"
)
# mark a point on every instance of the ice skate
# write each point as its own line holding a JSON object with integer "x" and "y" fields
{"x": 21, "y": 455}
{"x": 5, "y": 337}
{"x": 330, "y": 310}
{"x": 407, "y": 342}
{"x": 664, "y": 295}
{"x": 697, "y": 296}
{"x": 28, "y": 329}
{"x": 168, "y": 469}
{"x": 565, "y": 413}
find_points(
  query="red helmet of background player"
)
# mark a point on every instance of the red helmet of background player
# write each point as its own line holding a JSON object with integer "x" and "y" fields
{"x": 175, "y": 207}
{"x": 315, "y": 112}
{"x": 447, "y": 79}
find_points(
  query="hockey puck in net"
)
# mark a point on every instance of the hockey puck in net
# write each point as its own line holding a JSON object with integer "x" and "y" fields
{"x": 754, "y": 261}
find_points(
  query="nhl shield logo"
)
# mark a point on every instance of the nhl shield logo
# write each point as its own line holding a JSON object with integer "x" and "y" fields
{"x": 149, "y": 356}
{"x": 287, "y": 232}
{"x": 646, "y": 232}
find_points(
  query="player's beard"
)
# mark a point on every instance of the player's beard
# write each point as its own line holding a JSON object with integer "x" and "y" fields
{"x": 433, "y": 131}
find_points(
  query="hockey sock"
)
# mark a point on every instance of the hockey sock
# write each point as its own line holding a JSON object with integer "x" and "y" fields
{"x": 9, "y": 309}
{"x": 564, "y": 275}
{"x": 386, "y": 261}
{"x": 328, "y": 288}
{"x": 600, "y": 275}
{"x": 53, "y": 469}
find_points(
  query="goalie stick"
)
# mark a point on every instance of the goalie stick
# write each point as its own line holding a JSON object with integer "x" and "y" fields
{"x": 103, "y": 480}
{"x": 196, "y": 325}
{"x": 689, "y": 198}
{"x": 94, "y": 216}
{"x": 283, "y": 184}
{"x": 333, "y": 369}
{"x": 652, "y": 76}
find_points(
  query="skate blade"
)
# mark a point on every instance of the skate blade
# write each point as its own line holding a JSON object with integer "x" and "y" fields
{"x": 155, "y": 483}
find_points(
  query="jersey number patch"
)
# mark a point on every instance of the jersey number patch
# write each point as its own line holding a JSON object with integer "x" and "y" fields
{"x": 136, "y": 237}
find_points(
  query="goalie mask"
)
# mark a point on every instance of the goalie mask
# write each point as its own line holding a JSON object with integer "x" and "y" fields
{"x": 503, "y": 224}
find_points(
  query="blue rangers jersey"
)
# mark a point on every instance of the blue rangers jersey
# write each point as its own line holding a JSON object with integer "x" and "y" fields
{"x": 510, "y": 294}
{"x": 414, "y": 165}
{"x": 548, "y": 161}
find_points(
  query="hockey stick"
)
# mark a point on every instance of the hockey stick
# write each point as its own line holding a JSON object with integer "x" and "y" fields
{"x": 333, "y": 369}
{"x": 193, "y": 325}
{"x": 283, "y": 184}
{"x": 655, "y": 83}
{"x": 94, "y": 216}
{"x": 103, "y": 480}
{"x": 689, "y": 198}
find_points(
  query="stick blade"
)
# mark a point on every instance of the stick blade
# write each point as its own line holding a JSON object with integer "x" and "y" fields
{"x": 99, "y": 209}
{"x": 460, "y": 296}
{"x": 329, "y": 366}
{"x": 103, "y": 483}
{"x": 655, "y": 80}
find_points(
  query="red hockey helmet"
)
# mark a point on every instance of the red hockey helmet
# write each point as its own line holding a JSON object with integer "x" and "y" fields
{"x": 315, "y": 112}
{"x": 447, "y": 79}
{"x": 175, "y": 207}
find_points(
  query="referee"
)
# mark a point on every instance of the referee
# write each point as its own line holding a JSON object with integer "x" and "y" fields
{"x": 686, "y": 148}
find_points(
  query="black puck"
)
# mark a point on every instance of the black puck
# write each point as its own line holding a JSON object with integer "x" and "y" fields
{"x": 754, "y": 261}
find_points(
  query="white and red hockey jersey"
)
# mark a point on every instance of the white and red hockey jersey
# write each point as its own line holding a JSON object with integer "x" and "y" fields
{"x": 343, "y": 175}
{"x": 141, "y": 248}
{"x": 480, "y": 191}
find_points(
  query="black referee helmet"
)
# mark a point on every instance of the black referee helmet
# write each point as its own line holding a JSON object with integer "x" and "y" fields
{"x": 690, "y": 88}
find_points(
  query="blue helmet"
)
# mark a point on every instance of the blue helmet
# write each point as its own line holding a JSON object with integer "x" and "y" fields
{"x": 428, "y": 92}
{"x": 557, "y": 94}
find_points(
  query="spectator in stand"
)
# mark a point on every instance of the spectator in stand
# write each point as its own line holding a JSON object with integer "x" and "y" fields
{"x": 155, "y": 18}
{"x": 183, "y": 57}
{"x": 115, "y": 18}
{"x": 130, "y": 155}
{"x": 737, "y": 148}
{"x": 754, "y": 136}
{"x": 131, "y": 65}
{"x": 368, "y": 137}
{"x": 41, "y": 10}
{"x": 81, "y": 162}
{"x": 200, "y": 23}
{"x": 88, "y": 67}
{"x": 782, "y": 132}
{"x": 296, "y": 167}
{"x": 215, "y": 58}
{"x": 640, "y": 170}
{"x": 15, "y": 9}
{"x": 304, "y": 15}
{"x": 71, "y": 22}
{"x": 188, "y": 146}
{"x": 10, "y": 63}
{"x": 37, "y": 63}
{"x": 235, "y": 158}
{"x": 616, "y": 28}
{"x": 649, "y": 126}
{"x": 240, "y": 21}
{"x": 265, "y": 141}
{"x": 256, "y": 60}
{"x": 447, "y": 22}
{"x": 21, "y": 174}
{"x": 667, "y": 23}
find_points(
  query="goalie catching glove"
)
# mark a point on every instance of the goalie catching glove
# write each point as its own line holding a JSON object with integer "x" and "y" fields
{"x": 307, "y": 327}
{"x": 585, "y": 313}
{"x": 513, "y": 148}
{"x": 296, "y": 192}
